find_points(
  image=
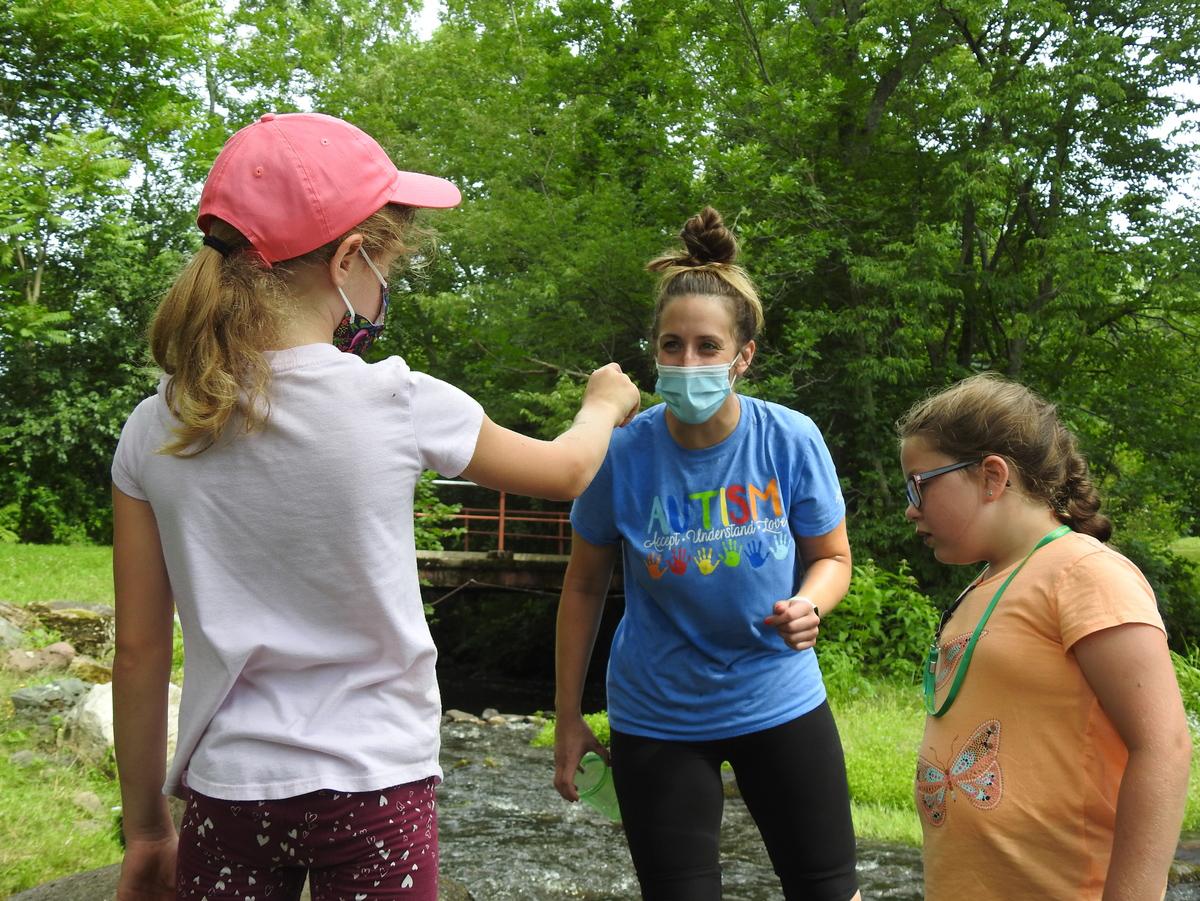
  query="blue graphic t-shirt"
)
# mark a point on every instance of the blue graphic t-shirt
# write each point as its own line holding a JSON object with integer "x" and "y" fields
{"x": 708, "y": 547}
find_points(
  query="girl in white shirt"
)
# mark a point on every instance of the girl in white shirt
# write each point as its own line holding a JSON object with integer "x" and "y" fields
{"x": 265, "y": 492}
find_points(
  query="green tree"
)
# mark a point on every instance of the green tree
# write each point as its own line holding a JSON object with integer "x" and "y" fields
{"x": 91, "y": 100}
{"x": 938, "y": 190}
{"x": 922, "y": 191}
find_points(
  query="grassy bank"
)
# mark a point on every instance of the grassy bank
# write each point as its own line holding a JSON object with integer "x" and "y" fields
{"x": 1188, "y": 547}
{"x": 42, "y": 572}
{"x": 44, "y": 832}
{"x": 881, "y": 729}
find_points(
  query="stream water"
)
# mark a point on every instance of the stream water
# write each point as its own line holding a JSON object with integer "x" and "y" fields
{"x": 507, "y": 835}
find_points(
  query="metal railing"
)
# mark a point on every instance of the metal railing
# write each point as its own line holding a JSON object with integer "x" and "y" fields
{"x": 510, "y": 528}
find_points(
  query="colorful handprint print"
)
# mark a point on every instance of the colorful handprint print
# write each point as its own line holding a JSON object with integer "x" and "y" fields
{"x": 781, "y": 546}
{"x": 654, "y": 565}
{"x": 704, "y": 561}
{"x": 755, "y": 553}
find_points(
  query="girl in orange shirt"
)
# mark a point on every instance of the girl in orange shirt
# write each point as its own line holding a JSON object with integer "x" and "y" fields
{"x": 1056, "y": 751}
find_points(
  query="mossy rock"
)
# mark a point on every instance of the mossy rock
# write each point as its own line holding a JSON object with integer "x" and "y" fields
{"x": 90, "y": 628}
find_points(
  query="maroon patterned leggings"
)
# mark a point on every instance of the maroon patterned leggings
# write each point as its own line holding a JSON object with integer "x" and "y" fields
{"x": 353, "y": 846}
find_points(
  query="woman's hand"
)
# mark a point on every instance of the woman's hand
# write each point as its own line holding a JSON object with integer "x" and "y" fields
{"x": 572, "y": 739}
{"x": 797, "y": 622}
{"x": 148, "y": 870}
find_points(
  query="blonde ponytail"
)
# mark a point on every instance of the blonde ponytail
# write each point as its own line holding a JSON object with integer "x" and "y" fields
{"x": 208, "y": 336}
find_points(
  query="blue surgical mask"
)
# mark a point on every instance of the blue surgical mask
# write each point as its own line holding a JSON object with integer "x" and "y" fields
{"x": 694, "y": 393}
{"x": 356, "y": 333}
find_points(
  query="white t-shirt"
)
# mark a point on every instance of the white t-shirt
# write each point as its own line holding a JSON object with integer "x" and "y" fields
{"x": 290, "y": 552}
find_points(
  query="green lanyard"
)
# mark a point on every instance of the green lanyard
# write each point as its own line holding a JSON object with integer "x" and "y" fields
{"x": 931, "y": 661}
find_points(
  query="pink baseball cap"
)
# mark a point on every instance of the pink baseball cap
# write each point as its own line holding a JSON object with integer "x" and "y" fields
{"x": 294, "y": 181}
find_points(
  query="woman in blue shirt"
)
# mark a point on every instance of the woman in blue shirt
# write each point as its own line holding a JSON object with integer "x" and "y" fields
{"x": 729, "y": 520}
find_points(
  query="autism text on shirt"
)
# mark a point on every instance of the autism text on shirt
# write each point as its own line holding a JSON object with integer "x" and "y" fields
{"x": 701, "y": 536}
{"x": 730, "y": 505}
{"x": 707, "y": 536}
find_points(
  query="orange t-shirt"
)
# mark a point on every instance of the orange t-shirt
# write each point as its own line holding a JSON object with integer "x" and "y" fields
{"x": 1017, "y": 783}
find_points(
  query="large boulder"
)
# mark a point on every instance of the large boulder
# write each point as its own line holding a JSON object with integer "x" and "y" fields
{"x": 88, "y": 728}
{"x": 26, "y": 660}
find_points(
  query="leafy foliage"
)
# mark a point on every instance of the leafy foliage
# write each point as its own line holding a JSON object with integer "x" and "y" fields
{"x": 921, "y": 192}
{"x": 1187, "y": 673}
{"x": 432, "y": 514}
{"x": 881, "y": 628}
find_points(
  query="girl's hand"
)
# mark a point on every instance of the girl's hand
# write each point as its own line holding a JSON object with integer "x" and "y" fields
{"x": 572, "y": 739}
{"x": 611, "y": 387}
{"x": 148, "y": 870}
{"x": 797, "y": 622}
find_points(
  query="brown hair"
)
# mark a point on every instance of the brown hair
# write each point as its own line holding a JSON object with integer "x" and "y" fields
{"x": 986, "y": 414}
{"x": 224, "y": 309}
{"x": 705, "y": 266}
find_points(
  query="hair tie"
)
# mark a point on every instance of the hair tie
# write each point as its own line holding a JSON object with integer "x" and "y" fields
{"x": 218, "y": 245}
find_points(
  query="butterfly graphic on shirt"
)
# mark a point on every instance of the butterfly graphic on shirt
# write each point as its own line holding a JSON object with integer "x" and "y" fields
{"x": 974, "y": 771}
{"x": 952, "y": 651}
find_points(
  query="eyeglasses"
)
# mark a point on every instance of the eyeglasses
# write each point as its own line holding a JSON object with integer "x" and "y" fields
{"x": 912, "y": 485}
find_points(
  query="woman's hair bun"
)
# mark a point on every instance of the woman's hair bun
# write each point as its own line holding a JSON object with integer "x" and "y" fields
{"x": 705, "y": 267}
{"x": 707, "y": 239}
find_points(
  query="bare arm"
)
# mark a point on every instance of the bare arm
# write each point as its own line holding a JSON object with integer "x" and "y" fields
{"x": 145, "y": 616}
{"x": 1129, "y": 668}
{"x": 827, "y": 568}
{"x": 560, "y": 469}
{"x": 585, "y": 587}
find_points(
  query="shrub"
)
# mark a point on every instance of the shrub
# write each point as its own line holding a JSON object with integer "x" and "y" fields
{"x": 881, "y": 628}
{"x": 431, "y": 515}
{"x": 1176, "y": 583}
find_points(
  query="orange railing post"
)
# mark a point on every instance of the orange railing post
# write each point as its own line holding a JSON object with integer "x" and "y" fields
{"x": 544, "y": 525}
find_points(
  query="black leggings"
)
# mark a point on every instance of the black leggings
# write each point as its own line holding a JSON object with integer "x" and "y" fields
{"x": 793, "y": 780}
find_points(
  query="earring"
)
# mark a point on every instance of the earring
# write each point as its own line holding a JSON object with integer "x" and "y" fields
{"x": 989, "y": 492}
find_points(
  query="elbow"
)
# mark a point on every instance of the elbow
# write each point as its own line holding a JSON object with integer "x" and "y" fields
{"x": 1170, "y": 753}
{"x": 1178, "y": 743}
{"x": 566, "y": 493}
{"x": 572, "y": 482}
{"x": 133, "y": 658}
{"x": 1181, "y": 747}
{"x": 578, "y": 486}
